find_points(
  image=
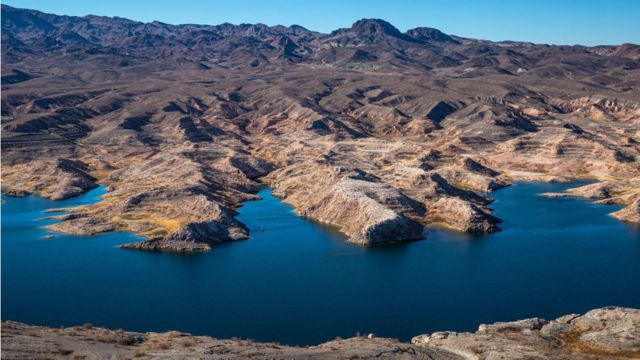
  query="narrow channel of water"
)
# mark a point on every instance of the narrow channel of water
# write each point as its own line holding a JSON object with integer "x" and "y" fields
{"x": 298, "y": 282}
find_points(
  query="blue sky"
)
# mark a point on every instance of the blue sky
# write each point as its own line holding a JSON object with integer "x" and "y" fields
{"x": 587, "y": 22}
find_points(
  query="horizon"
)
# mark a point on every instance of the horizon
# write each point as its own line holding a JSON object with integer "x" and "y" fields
{"x": 614, "y": 24}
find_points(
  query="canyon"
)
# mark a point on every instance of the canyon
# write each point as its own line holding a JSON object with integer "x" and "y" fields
{"x": 374, "y": 131}
{"x": 376, "y": 135}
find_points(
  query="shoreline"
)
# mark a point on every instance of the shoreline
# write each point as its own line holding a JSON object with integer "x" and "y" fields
{"x": 70, "y": 212}
{"x": 605, "y": 333}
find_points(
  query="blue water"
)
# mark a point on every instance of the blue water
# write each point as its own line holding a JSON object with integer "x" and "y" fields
{"x": 298, "y": 282}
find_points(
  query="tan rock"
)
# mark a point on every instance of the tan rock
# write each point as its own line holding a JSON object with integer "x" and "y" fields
{"x": 607, "y": 333}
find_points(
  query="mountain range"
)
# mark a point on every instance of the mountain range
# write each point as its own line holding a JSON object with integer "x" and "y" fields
{"x": 373, "y": 130}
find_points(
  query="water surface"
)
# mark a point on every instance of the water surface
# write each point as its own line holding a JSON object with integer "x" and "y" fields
{"x": 298, "y": 282}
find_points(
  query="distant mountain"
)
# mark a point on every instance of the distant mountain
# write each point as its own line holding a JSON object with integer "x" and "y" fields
{"x": 29, "y": 32}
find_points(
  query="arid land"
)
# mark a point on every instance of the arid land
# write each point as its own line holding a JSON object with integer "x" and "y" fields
{"x": 607, "y": 333}
{"x": 377, "y": 132}
{"x": 374, "y": 131}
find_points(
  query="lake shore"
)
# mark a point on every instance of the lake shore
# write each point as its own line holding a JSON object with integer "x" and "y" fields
{"x": 293, "y": 268}
{"x": 606, "y": 333}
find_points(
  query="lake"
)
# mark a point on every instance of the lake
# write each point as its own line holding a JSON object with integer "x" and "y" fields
{"x": 298, "y": 282}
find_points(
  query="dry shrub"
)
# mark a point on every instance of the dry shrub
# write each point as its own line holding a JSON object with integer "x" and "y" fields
{"x": 188, "y": 343}
{"x": 156, "y": 345}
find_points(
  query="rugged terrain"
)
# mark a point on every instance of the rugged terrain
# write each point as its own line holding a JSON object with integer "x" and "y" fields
{"x": 607, "y": 333}
{"x": 375, "y": 131}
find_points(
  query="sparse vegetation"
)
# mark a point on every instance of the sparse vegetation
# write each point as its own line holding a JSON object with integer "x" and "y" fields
{"x": 615, "y": 330}
{"x": 188, "y": 343}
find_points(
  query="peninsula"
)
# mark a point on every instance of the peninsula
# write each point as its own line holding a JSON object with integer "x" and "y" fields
{"x": 372, "y": 130}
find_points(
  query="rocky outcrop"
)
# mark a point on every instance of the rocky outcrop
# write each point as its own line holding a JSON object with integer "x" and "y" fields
{"x": 607, "y": 333}
{"x": 622, "y": 192}
{"x": 192, "y": 214}
{"x": 631, "y": 213}
{"x": 473, "y": 180}
{"x": 56, "y": 179}
{"x": 20, "y": 341}
{"x": 462, "y": 215}
{"x": 478, "y": 168}
{"x": 79, "y": 224}
{"x": 199, "y": 236}
{"x": 369, "y": 213}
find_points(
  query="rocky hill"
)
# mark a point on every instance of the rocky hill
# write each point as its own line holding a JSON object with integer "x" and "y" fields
{"x": 377, "y": 131}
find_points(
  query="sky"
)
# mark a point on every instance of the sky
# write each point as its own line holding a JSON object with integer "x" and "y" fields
{"x": 586, "y": 22}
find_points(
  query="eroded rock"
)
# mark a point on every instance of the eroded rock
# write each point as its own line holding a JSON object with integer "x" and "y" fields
{"x": 463, "y": 216}
{"x": 607, "y": 333}
{"x": 369, "y": 213}
{"x": 173, "y": 114}
{"x": 56, "y": 179}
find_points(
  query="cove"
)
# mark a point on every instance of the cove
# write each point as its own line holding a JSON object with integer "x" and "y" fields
{"x": 298, "y": 282}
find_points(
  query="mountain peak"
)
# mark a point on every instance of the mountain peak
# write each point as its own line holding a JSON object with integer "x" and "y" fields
{"x": 430, "y": 34}
{"x": 375, "y": 26}
{"x": 371, "y": 31}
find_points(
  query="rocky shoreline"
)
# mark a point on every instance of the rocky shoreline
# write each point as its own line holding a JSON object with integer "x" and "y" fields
{"x": 620, "y": 192}
{"x": 369, "y": 129}
{"x": 606, "y": 333}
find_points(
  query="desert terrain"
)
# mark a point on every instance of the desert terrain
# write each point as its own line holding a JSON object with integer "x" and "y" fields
{"x": 369, "y": 129}
{"x": 607, "y": 333}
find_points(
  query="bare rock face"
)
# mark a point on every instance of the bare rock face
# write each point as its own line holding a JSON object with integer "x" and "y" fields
{"x": 194, "y": 237}
{"x": 607, "y": 333}
{"x": 81, "y": 225}
{"x": 366, "y": 212}
{"x": 622, "y": 192}
{"x": 631, "y": 213}
{"x": 463, "y": 216}
{"x": 56, "y": 179}
{"x": 470, "y": 179}
{"x": 20, "y": 341}
{"x": 201, "y": 225}
{"x": 171, "y": 200}
{"x": 476, "y": 167}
